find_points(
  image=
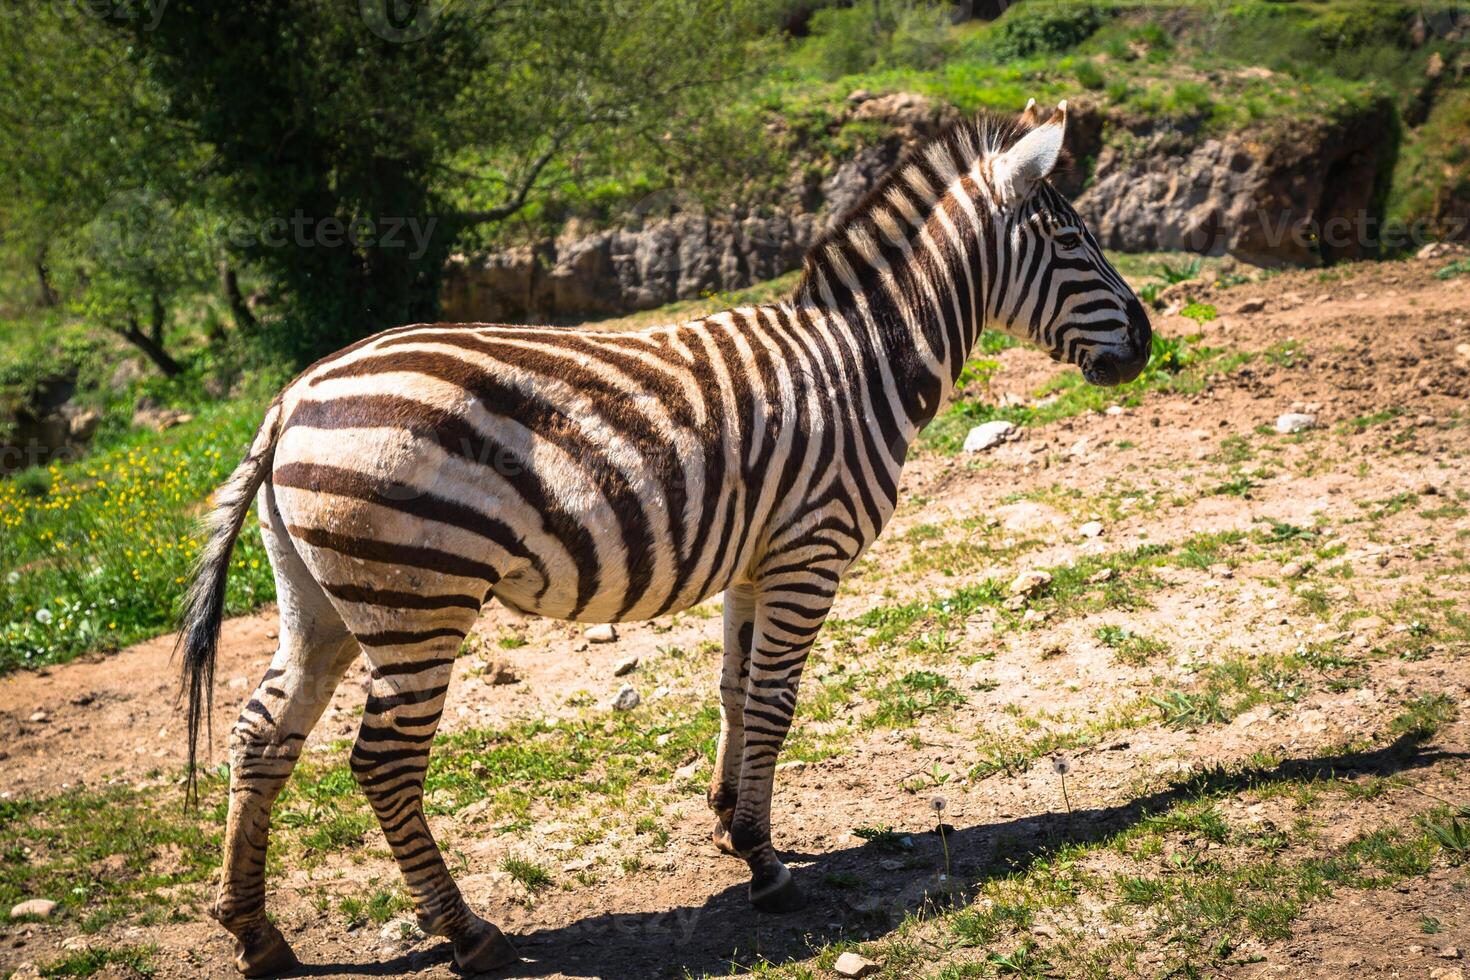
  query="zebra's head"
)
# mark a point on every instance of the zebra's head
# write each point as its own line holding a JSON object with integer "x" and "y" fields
{"x": 1054, "y": 287}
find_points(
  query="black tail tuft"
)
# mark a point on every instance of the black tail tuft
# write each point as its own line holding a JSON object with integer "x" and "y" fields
{"x": 203, "y": 608}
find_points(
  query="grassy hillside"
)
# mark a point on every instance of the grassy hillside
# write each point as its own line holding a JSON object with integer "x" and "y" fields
{"x": 1198, "y": 70}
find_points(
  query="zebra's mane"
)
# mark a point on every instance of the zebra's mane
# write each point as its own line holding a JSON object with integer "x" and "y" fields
{"x": 962, "y": 143}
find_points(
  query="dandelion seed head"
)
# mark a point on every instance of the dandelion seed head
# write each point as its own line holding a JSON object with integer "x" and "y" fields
{"x": 43, "y": 616}
{"x": 1060, "y": 765}
{"x": 937, "y": 804}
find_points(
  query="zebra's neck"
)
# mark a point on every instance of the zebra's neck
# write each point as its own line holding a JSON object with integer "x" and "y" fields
{"x": 905, "y": 276}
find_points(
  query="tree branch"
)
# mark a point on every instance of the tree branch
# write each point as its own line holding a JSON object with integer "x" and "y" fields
{"x": 134, "y": 335}
{"x": 230, "y": 284}
{"x": 518, "y": 200}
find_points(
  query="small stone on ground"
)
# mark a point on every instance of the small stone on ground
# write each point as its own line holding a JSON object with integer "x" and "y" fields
{"x": 625, "y": 667}
{"x": 1029, "y": 583}
{"x": 498, "y": 672}
{"x": 627, "y": 698}
{"x": 601, "y": 633}
{"x": 1294, "y": 422}
{"x": 850, "y": 964}
{"x": 988, "y": 435}
{"x": 41, "y": 908}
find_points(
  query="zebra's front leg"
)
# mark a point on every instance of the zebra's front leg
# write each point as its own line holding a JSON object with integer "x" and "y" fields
{"x": 724, "y": 788}
{"x": 390, "y": 760}
{"x": 787, "y": 621}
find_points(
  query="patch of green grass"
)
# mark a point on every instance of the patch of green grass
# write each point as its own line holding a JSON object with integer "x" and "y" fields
{"x": 514, "y": 768}
{"x": 1177, "y": 365}
{"x": 1423, "y": 717}
{"x": 103, "y": 855}
{"x": 1451, "y": 831}
{"x": 135, "y": 960}
{"x": 1131, "y": 648}
{"x": 1239, "y": 486}
{"x": 1183, "y": 272}
{"x": 1183, "y": 710}
{"x": 1362, "y": 423}
{"x": 910, "y": 697}
{"x": 95, "y": 554}
{"x": 884, "y": 839}
{"x": 532, "y": 876}
{"x": 380, "y": 905}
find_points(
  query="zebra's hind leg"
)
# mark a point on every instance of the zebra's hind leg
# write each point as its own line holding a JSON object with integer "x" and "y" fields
{"x": 410, "y": 678}
{"x": 315, "y": 650}
{"x": 735, "y": 667}
{"x": 787, "y": 622}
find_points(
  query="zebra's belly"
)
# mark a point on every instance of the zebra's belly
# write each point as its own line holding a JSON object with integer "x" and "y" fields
{"x": 524, "y": 591}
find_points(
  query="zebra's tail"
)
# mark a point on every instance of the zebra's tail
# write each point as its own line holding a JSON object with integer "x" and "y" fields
{"x": 203, "y": 607}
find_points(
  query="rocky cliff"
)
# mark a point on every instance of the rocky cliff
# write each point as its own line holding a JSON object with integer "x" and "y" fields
{"x": 1297, "y": 198}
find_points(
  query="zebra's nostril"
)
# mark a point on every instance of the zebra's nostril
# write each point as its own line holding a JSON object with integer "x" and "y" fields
{"x": 1101, "y": 370}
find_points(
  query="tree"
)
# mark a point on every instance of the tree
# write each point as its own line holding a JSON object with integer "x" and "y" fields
{"x": 354, "y": 148}
{"x": 92, "y": 163}
{"x": 145, "y": 252}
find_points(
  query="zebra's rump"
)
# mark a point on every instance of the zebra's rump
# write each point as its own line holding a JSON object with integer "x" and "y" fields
{"x": 577, "y": 475}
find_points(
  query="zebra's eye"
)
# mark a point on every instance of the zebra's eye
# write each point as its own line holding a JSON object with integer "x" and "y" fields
{"x": 1068, "y": 239}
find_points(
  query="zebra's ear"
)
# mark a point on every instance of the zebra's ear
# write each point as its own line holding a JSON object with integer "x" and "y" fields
{"x": 1030, "y": 117}
{"x": 1017, "y": 170}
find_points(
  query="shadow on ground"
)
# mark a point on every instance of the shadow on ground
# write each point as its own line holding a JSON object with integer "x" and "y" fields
{"x": 725, "y": 935}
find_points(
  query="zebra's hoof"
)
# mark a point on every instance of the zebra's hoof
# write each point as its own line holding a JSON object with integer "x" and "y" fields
{"x": 724, "y": 843}
{"x": 779, "y": 896}
{"x": 482, "y": 948}
{"x": 263, "y": 952}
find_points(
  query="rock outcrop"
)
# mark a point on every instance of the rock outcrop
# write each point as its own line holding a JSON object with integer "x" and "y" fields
{"x": 1299, "y": 197}
{"x": 45, "y": 426}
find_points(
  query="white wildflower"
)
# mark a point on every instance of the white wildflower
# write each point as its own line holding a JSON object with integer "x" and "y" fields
{"x": 43, "y": 616}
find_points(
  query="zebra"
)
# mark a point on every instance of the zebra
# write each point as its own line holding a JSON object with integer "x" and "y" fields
{"x": 404, "y": 481}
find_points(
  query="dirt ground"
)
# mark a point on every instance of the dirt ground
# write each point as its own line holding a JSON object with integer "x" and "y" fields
{"x": 1373, "y": 566}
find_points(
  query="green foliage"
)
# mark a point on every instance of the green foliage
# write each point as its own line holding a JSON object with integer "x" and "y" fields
{"x": 1451, "y": 831}
{"x": 1459, "y": 267}
{"x": 877, "y": 34}
{"x": 1089, "y": 75}
{"x": 1183, "y": 272}
{"x": 883, "y": 839}
{"x": 1045, "y": 27}
{"x": 1199, "y": 312}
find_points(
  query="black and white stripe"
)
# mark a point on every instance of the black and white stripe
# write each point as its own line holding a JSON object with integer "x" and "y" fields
{"x": 601, "y": 477}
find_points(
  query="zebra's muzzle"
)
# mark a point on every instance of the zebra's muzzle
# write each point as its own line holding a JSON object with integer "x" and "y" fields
{"x": 1120, "y": 364}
